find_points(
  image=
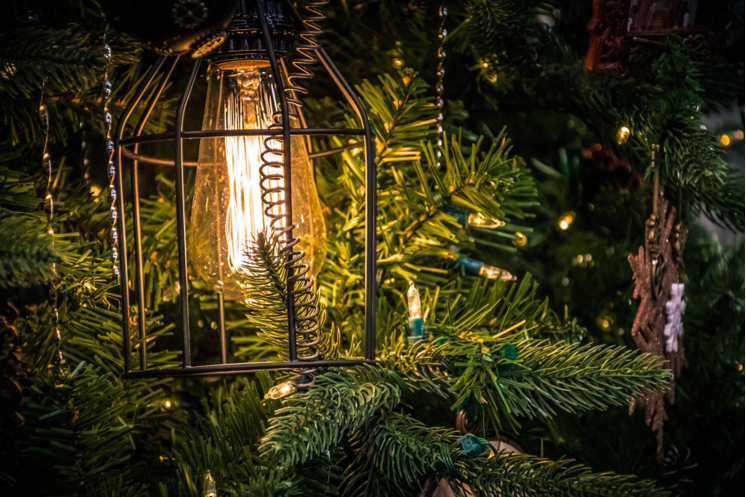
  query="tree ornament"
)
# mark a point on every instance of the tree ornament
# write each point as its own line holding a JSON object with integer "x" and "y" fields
{"x": 675, "y": 308}
{"x": 655, "y": 271}
{"x": 627, "y": 35}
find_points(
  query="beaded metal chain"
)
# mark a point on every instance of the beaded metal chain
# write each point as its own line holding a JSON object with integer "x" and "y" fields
{"x": 46, "y": 166}
{"x": 110, "y": 153}
{"x": 442, "y": 33}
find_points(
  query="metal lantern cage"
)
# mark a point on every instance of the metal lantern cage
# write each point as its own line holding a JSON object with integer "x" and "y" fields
{"x": 127, "y": 147}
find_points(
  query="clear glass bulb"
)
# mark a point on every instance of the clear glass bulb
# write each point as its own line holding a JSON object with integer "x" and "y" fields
{"x": 209, "y": 489}
{"x": 413, "y": 299}
{"x": 227, "y": 212}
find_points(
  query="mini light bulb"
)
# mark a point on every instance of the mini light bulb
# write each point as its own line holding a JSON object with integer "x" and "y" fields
{"x": 520, "y": 240}
{"x": 495, "y": 273}
{"x": 480, "y": 221}
{"x": 234, "y": 180}
{"x": 209, "y": 489}
{"x": 566, "y": 220}
{"x": 415, "y": 314}
{"x": 282, "y": 390}
{"x": 725, "y": 140}
{"x": 622, "y": 135}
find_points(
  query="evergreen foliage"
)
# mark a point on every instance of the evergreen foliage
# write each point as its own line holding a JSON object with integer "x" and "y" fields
{"x": 501, "y": 350}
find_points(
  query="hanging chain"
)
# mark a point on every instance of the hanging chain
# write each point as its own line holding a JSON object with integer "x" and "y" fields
{"x": 442, "y": 33}
{"x": 46, "y": 166}
{"x": 110, "y": 154}
{"x": 653, "y": 228}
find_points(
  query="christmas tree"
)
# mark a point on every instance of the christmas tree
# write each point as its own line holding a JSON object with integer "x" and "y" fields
{"x": 517, "y": 160}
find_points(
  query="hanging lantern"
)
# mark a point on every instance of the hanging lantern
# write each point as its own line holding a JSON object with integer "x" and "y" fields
{"x": 253, "y": 175}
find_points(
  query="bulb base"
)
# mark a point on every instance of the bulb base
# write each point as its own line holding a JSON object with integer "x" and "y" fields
{"x": 416, "y": 331}
{"x": 244, "y": 40}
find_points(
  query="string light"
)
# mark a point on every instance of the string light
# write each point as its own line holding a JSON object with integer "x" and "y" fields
{"x": 731, "y": 137}
{"x": 520, "y": 240}
{"x": 480, "y": 221}
{"x": 209, "y": 489}
{"x": 622, "y": 135}
{"x": 111, "y": 170}
{"x": 282, "y": 390}
{"x": 416, "y": 332}
{"x": 440, "y": 72}
{"x": 46, "y": 166}
{"x": 566, "y": 220}
{"x": 479, "y": 268}
{"x": 475, "y": 220}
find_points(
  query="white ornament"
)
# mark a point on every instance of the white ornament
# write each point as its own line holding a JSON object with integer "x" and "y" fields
{"x": 675, "y": 308}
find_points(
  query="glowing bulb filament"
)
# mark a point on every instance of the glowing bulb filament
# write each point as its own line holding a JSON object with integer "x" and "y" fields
{"x": 245, "y": 216}
{"x": 413, "y": 298}
{"x": 209, "y": 489}
{"x": 281, "y": 390}
{"x": 494, "y": 273}
{"x": 479, "y": 221}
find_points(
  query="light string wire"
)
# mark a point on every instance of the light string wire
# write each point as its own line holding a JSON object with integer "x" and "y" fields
{"x": 106, "y": 90}
{"x": 46, "y": 166}
{"x": 441, "y": 71}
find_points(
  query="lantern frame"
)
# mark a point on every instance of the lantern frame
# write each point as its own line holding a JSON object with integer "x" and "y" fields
{"x": 178, "y": 136}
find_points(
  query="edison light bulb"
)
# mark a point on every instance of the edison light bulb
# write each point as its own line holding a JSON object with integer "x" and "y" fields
{"x": 228, "y": 213}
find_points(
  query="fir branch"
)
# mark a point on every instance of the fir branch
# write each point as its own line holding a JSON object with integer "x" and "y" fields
{"x": 28, "y": 255}
{"x": 74, "y": 436}
{"x": 525, "y": 475}
{"x": 265, "y": 278}
{"x": 313, "y": 421}
{"x": 544, "y": 378}
{"x": 392, "y": 456}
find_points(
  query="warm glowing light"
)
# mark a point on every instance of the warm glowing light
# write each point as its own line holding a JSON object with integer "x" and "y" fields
{"x": 739, "y": 135}
{"x": 281, "y": 390}
{"x": 245, "y": 216}
{"x": 209, "y": 488}
{"x": 604, "y": 322}
{"x": 495, "y": 273}
{"x": 168, "y": 404}
{"x": 566, "y": 220}
{"x": 240, "y": 184}
{"x": 413, "y": 300}
{"x": 485, "y": 64}
{"x": 479, "y": 221}
{"x": 520, "y": 240}
{"x": 622, "y": 135}
{"x": 725, "y": 140}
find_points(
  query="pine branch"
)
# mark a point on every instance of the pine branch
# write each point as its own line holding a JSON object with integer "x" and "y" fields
{"x": 392, "y": 455}
{"x": 314, "y": 421}
{"x": 525, "y": 475}
{"x": 28, "y": 255}
{"x": 545, "y": 378}
{"x": 74, "y": 437}
{"x": 265, "y": 278}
